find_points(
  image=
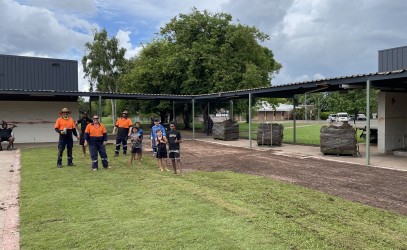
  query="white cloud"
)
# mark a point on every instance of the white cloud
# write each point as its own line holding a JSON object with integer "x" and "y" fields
{"x": 124, "y": 42}
{"x": 35, "y": 30}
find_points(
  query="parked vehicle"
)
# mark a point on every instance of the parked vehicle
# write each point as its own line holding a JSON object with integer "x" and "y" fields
{"x": 331, "y": 118}
{"x": 361, "y": 117}
{"x": 342, "y": 117}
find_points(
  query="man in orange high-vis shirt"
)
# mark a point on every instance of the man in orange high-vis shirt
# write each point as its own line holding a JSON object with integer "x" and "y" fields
{"x": 96, "y": 138}
{"x": 65, "y": 127}
{"x": 123, "y": 124}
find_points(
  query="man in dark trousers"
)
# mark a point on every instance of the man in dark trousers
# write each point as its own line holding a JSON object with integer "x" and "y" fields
{"x": 65, "y": 127}
{"x": 96, "y": 138}
{"x": 123, "y": 125}
{"x": 83, "y": 122}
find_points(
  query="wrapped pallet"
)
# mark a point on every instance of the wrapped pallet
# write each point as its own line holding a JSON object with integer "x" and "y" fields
{"x": 227, "y": 130}
{"x": 338, "y": 140}
{"x": 270, "y": 134}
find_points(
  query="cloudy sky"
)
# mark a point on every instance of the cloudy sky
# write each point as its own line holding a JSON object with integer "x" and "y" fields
{"x": 312, "y": 39}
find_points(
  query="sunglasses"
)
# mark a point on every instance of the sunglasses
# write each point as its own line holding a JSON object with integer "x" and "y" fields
{"x": 95, "y": 118}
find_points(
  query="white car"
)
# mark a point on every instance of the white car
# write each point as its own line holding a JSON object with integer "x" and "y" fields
{"x": 361, "y": 117}
{"x": 331, "y": 118}
{"x": 342, "y": 117}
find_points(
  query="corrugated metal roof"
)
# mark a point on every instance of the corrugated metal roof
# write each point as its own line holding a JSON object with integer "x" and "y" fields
{"x": 392, "y": 79}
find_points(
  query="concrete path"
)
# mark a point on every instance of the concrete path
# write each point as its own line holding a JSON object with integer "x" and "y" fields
{"x": 9, "y": 194}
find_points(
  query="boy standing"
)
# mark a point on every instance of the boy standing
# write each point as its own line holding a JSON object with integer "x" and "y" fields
{"x": 136, "y": 148}
{"x": 161, "y": 142}
{"x": 174, "y": 139}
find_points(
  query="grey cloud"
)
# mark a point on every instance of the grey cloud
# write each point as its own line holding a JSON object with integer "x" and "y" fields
{"x": 81, "y": 6}
{"x": 36, "y": 31}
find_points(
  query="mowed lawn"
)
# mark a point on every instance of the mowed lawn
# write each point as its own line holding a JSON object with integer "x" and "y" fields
{"x": 133, "y": 207}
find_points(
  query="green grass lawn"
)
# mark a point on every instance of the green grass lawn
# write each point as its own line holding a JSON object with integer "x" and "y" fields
{"x": 132, "y": 207}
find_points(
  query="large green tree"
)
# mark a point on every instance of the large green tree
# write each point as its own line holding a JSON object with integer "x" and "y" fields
{"x": 199, "y": 53}
{"x": 103, "y": 63}
{"x": 351, "y": 101}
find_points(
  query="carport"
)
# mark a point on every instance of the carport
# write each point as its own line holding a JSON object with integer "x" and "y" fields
{"x": 392, "y": 99}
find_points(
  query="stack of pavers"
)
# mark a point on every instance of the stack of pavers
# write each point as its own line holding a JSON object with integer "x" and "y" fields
{"x": 270, "y": 134}
{"x": 338, "y": 140}
{"x": 227, "y": 130}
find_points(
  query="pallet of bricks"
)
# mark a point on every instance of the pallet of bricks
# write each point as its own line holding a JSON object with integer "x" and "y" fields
{"x": 270, "y": 134}
{"x": 227, "y": 130}
{"x": 338, "y": 140}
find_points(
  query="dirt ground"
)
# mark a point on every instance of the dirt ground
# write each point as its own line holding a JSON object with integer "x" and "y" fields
{"x": 377, "y": 187}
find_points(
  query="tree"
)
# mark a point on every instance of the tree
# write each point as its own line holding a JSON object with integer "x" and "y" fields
{"x": 199, "y": 53}
{"x": 103, "y": 63}
{"x": 352, "y": 101}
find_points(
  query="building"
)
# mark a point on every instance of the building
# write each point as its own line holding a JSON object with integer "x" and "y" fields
{"x": 35, "y": 113}
{"x": 267, "y": 112}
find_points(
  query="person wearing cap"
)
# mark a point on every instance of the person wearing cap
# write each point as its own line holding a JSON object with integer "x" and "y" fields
{"x": 83, "y": 122}
{"x": 123, "y": 125}
{"x": 153, "y": 136}
{"x": 65, "y": 127}
{"x": 6, "y": 135}
{"x": 96, "y": 138}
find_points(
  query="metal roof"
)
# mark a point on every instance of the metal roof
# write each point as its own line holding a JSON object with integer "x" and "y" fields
{"x": 387, "y": 81}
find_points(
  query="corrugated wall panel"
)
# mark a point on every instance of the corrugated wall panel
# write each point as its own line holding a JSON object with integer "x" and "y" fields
{"x": 389, "y": 59}
{"x": 392, "y": 59}
{"x": 32, "y": 73}
{"x": 404, "y": 57}
{"x": 380, "y": 60}
{"x": 400, "y": 58}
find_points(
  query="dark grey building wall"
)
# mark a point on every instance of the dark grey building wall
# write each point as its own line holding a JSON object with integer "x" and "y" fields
{"x": 393, "y": 59}
{"x": 33, "y": 73}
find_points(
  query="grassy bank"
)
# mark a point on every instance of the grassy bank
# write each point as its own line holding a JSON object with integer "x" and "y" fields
{"x": 132, "y": 207}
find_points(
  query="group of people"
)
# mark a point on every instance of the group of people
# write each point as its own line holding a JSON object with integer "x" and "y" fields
{"x": 93, "y": 134}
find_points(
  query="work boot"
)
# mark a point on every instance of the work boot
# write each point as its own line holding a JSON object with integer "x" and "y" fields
{"x": 71, "y": 164}
{"x": 59, "y": 166}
